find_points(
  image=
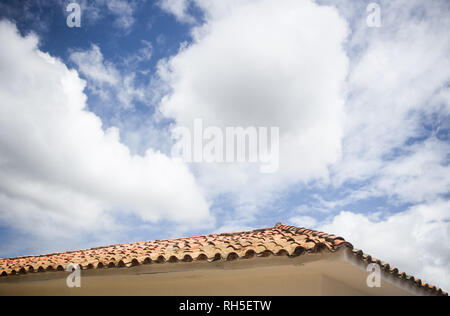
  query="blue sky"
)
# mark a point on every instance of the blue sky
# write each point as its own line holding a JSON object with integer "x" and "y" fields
{"x": 363, "y": 113}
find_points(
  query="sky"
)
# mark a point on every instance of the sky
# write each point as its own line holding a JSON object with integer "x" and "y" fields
{"x": 88, "y": 120}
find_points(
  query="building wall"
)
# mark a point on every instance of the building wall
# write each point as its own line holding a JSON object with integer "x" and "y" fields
{"x": 304, "y": 275}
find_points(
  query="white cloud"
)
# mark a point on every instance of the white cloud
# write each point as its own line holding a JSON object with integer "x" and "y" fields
{"x": 107, "y": 81}
{"x": 398, "y": 92}
{"x": 264, "y": 63}
{"x": 119, "y": 91}
{"x": 416, "y": 241}
{"x": 91, "y": 64}
{"x": 420, "y": 176}
{"x": 123, "y": 10}
{"x": 178, "y": 8}
{"x": 142, "y": 55}
{"x": 394, "y": 84}
{"x": 61, "y": 174}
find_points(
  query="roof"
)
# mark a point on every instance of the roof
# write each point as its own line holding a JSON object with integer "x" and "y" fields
{"x": 280, "y": 240}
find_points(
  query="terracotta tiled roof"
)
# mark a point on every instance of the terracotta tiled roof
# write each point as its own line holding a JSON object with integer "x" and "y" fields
{"x": 280, "y": 240}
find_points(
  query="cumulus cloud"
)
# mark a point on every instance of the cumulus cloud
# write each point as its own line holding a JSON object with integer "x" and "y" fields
{"x": 264, "y": 63}
{"x": 61, "y": 174}
{"x": 415, "y": 241}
